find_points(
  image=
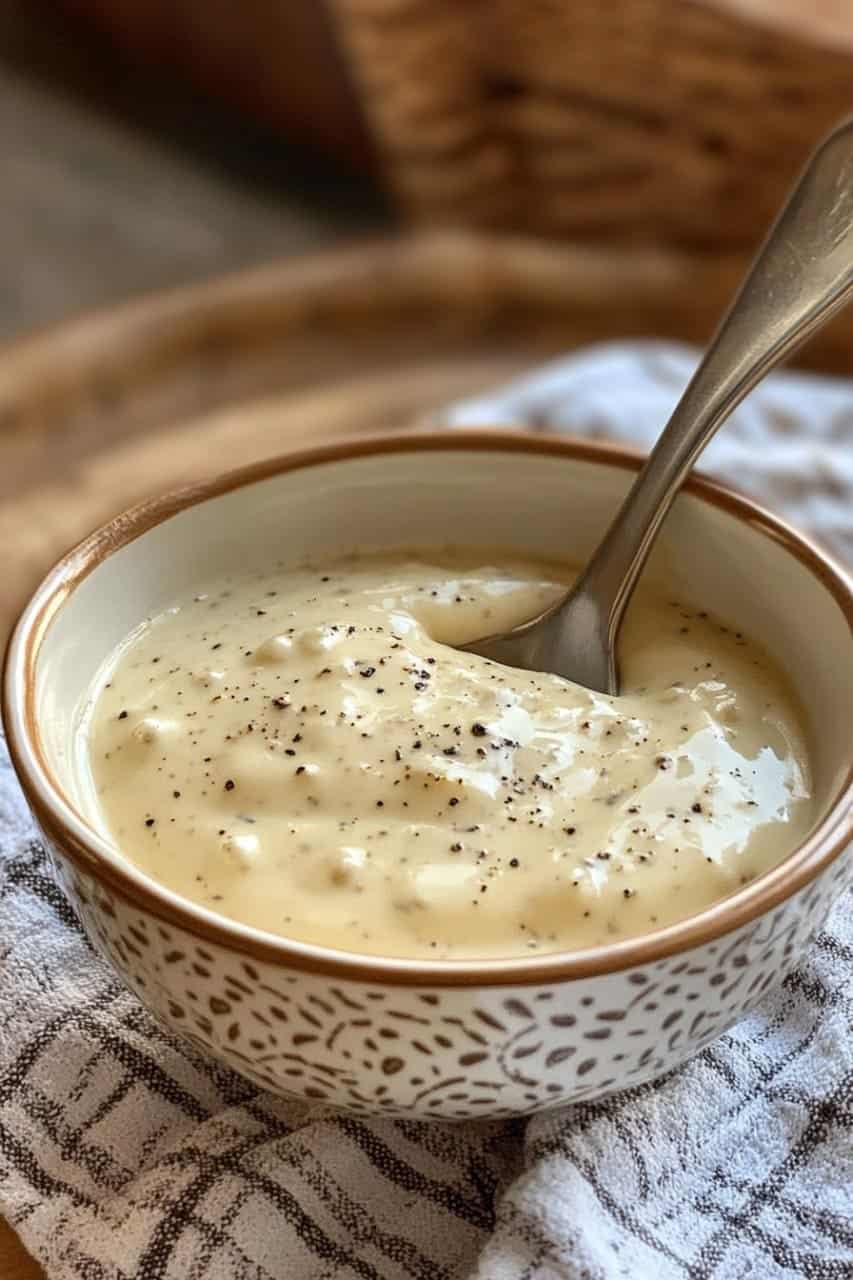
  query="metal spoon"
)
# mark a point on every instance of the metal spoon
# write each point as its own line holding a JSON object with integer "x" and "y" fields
{"x": 801, "y": 276}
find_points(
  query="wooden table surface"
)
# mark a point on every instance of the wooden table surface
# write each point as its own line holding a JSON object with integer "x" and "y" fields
{"x": 15, "y": 1262}
{"x": 112, "y": 186}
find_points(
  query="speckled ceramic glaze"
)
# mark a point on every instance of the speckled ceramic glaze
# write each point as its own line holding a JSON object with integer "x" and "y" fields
{"x": 449, "y": 1052}
{"x": 433, "y": 1038}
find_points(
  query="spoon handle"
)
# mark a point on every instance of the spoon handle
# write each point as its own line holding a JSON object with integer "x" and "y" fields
{"x": 802, "y": 274}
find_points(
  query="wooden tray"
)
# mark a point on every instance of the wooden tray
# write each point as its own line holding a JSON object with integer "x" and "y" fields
{"x": 120, "y": 404}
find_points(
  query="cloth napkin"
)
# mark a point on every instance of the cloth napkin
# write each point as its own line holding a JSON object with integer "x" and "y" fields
{"x": 125, "y": 1154}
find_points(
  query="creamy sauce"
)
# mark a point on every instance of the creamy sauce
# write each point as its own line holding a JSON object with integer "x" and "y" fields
{"x": 302, "y": 751}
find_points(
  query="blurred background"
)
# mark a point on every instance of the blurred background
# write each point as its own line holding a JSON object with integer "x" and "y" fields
{"x": 418, "y": 197}
{"x": 140, "y": 147}
{"x": 150, "y": 142}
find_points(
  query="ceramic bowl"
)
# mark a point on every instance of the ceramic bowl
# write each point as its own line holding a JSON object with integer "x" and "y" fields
{"x": 442, "y": 1039}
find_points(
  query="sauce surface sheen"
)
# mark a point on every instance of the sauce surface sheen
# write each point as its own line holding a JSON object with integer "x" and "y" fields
{"x": 301, "y": 750}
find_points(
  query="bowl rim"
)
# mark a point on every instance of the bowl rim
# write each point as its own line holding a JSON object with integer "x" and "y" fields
{"x": 86, "y": 849}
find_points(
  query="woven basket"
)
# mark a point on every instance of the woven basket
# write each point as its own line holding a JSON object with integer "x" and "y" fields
{"x": 668, "y": 129}
{"x": 667, "y": 122}
{"x": 637, "y": 121}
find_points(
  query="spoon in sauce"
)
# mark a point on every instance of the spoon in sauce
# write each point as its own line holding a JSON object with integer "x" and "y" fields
{"x": 802, "y": 275}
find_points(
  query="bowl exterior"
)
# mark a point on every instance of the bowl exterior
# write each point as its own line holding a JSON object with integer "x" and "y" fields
{"x": 393, "y": 1038}
{"x": 457, "y": 1052}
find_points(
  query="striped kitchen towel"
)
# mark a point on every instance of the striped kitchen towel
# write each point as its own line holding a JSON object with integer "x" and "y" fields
{"x": 125, "y": 1155}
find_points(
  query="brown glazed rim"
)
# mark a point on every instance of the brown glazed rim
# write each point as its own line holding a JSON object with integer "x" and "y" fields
{"x": 83, "y": 847}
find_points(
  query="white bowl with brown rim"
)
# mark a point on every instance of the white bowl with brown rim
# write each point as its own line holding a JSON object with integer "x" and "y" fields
{"x": 434, "y": 1038}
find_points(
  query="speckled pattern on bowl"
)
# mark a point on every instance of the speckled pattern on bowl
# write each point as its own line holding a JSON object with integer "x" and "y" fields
{"x": 433, "y": 1038}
